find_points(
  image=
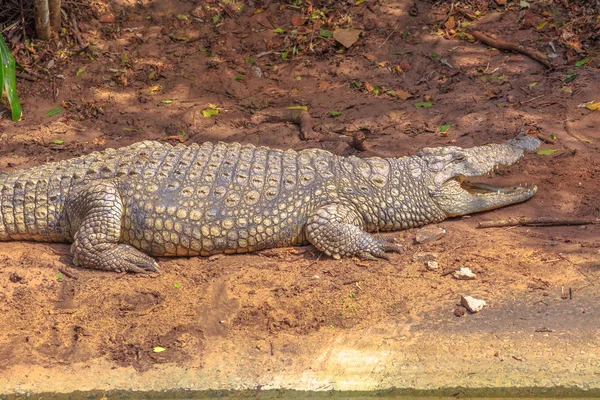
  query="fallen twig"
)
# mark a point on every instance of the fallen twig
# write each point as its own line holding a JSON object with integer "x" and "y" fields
{"x": 545, "y": 138}
{"x": 68, "y": 273}
{"x": 77, "y": 34}
{"x": 538, "y": 221}
{"x": 508, "y": 46}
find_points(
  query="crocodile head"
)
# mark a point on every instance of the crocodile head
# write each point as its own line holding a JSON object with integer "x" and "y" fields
{"x": 450, "y": 167}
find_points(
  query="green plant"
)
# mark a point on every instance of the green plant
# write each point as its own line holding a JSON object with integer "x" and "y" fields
{"x": 8, "y": 80}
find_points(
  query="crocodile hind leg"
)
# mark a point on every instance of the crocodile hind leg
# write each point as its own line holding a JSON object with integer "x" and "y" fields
{"x": 94, "y": 213}
{"x": 337, "y": 230}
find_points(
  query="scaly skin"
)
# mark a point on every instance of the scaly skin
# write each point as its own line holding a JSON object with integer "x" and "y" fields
{"x": 231, "y": 198}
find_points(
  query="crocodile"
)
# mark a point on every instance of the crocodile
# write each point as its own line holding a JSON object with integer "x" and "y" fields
{"x": 120, "y": 207}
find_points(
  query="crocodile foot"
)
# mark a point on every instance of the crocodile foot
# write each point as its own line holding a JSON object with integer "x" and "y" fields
{"x": 115, "y": 257}
{"x": 337, "y": 230}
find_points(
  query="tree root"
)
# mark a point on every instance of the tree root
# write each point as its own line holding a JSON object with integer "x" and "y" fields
{"x": 508, "y": 46}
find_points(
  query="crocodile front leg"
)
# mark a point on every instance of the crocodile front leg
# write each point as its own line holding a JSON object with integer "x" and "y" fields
{"x": 94, "y": 213}
{"x": 338, "y": 231}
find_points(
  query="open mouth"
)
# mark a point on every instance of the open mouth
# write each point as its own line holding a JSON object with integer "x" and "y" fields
{"x": 477, "y": 188}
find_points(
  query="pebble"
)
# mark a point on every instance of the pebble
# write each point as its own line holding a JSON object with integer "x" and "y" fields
{"x": 432, "y": 265}
{"x": 472, "y": 304}
{"x": 464, "y": 274}
{"x": 429, "y": 234}
{"x": 459, "y": 311}
{"x": 15, "y": 277}
{"x": 422, "y": 256}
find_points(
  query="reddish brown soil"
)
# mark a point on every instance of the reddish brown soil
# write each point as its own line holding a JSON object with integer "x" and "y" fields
{"x": 138, "y": 83}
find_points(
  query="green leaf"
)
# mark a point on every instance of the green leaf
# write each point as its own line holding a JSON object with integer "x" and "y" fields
{"x": 284, "y": 55}
{"x": 335, "y": 113}
{"x": 501, "y": 105}
{"x": 178, "y": 38}
{"x": 569, "y": 77}
{"x": 79, "y": 72}
{"x": 547, "y": 152}
{"x": 209, "y": 112}
{"x": 182, "y": 133}
{"x": 325, "y": 33}
{"x": 176, "y": 285}
{"x": 215, "y": 19}
{"x": 376, "y": 90}
{"x": 239, "y": 78}
{"x": 278, "y": 30}
{"x": 158, "y": 349}
{"x": 581, "y": 63}
{"x": 57, "y": 141}
{"x": 59, "y": 276}
{"x": 182, "y": 17}
{"x": 553, "y": 137}
{"x": 445, "y": 128}
{"x": 8, "y": 80}
{"x": 434, "y": 55}
{"x": 423, "y": 104}
{"x": 52, "y": 112}
{"x": 167, "y": 101}
{"x": 305, "y": 108}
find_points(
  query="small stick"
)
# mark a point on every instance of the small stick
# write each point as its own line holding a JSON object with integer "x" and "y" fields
{"x": 545, "y": 138}
{"x": 389, "y": 36}
{"x": 532, "y": 99}
{"x": 80, "y": 42}
{"x": 538, "y": 221}
{"x": 508, "y": 46}
{"x": 68, "y": 273}
{"x": 26, "y": 77}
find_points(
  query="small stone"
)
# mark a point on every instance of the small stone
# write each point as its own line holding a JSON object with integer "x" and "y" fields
{"x": 15, "y": 277}
{"x": 422, "y": 256}
{"x": 429, "y": 234}
{"x": 460, "y": 311}
{"x": 432, "y": 265}
{"x": 554, "y": 243}
{"x": 464, "y": 274}
{"x": 472, "y": 304}
{"x": 257, "y": 71}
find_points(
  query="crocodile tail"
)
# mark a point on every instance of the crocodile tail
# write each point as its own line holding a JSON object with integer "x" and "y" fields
{"x": 30, "y": 207}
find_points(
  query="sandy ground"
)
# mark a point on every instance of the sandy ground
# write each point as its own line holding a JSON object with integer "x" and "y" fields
{"x": 292, "y": 318}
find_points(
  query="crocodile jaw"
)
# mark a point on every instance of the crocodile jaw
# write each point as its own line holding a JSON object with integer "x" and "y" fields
{"x": 459, "y": 197}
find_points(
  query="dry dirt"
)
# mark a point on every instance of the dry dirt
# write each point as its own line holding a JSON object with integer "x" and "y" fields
{"x": 139, "y": 82}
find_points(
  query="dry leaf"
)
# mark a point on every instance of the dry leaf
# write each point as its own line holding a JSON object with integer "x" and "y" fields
{"x": 402, "y": 95}
{"x": 370, "y": 57}
{"x": 297, "y": 20}
{"x": 346, "y": 37}
{"x": 107, "y": 19}
{"x": 593, "y": 106}
{"x": 369, "y": 87}
{"x": 450, "y": 23}
{"x": 323, "y": 85}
